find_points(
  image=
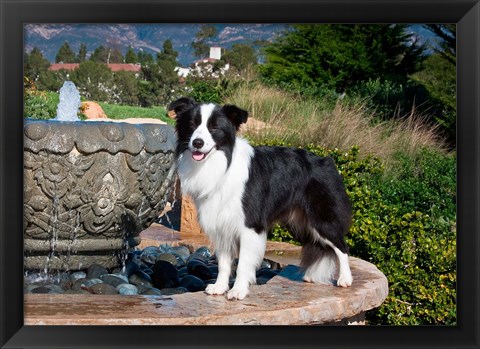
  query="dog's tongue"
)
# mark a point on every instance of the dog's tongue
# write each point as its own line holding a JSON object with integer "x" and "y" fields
{"x": 197, "y": 155}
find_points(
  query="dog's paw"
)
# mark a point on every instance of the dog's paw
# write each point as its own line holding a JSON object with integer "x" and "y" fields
{"x": 216, "y": 288}
{"x": 345, "y": 280}
{"x": 237, "y": 293}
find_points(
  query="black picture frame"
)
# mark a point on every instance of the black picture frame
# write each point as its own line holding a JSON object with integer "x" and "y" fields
{"x": 15, "y": 13}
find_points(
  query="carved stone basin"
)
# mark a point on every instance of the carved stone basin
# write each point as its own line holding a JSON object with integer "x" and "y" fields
{"x": 90, "y": 189}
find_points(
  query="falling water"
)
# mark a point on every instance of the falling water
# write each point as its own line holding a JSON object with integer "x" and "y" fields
{"x": 73, "y": 240}
{"x": 172, "y": 206}
{"x": 69, "y": 103}
{"x": 140, "y": 212}
{"x": 123, "y": 253}
{"x": 53, "y": 233}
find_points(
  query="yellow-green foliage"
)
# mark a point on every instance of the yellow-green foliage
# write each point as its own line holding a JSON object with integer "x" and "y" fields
{"x": 38, "y": 104}
{"x": 415, "y": 251}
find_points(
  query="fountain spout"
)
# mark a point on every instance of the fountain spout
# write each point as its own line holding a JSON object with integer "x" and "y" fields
{"x": 69, "y": 103}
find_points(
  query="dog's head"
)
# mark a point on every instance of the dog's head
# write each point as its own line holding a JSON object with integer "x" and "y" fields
{"x": 203, "y": 129}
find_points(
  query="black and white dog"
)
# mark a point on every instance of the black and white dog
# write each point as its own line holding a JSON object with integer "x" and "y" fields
{"x": 240, "y": 191}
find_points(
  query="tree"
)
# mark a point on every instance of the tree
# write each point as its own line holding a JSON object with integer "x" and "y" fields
{"x": 240, "y": 56}
{"x": 440, "y": 80}
{"x": 447, "y": 33}
{"x": 144, "y": 58}
{"x": 94, "y": 81}
{"x": 168, "y": 53}
{"x": 52, "y": 80}
{"x": 114, "y": 56}
{"x": 35, "y": 64}
{"x": 162, "y": 79}
{"x": 65, "y": 54}
{"x": 127, "y": 87}
{"x": 99, "y": 55}
{"x": 199, "y": 45}
{"x": 315, "y": 56}
{"x": 82, "y": 53}
{"x": 130, "y": 56}
{"x": 106, "y": 55}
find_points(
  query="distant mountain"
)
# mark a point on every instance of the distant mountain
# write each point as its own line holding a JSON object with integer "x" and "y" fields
{"x": 150, "y": 37}
{"x": 147, "y": 37}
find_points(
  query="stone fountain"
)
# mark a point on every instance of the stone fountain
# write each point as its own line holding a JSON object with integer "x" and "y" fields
{"x": 91, "y": 187}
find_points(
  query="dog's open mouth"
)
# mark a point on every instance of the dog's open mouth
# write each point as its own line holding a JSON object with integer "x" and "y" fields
{"x": 198, "y": 155}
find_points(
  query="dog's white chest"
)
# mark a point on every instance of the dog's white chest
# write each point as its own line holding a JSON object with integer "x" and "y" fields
{"x": 221, "y": 213}
{"x": 216, "y": 190}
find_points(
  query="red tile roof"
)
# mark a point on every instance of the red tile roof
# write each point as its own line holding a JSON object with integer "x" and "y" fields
{"x": 205, "y": 60}
{"x": 66, "y": 66}
{"x": 127, "y": 67}
{"x": 113, "y": 66}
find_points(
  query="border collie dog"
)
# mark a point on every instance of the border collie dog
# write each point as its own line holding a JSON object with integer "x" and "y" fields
{"x": 241, "y": 191}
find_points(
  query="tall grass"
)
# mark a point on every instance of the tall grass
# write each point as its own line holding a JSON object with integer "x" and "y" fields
{"x": 300, "y": 120}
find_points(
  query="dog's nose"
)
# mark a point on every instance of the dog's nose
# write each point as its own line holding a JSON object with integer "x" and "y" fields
{"x": 198, "y": 143}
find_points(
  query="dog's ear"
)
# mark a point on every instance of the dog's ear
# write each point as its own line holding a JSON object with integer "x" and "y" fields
{"x": 181, "y": 105}
{"x": 236, "y": 115}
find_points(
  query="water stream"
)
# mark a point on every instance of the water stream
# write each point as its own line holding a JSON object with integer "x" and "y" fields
{"x": 67, "y": 108}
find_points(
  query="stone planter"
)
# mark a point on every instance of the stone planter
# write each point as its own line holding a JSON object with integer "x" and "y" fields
{"x": 90, "y": 189}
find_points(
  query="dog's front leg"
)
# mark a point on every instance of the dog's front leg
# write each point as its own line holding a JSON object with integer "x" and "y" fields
{"x": 220, "y": 286}
{"x": 252, "y": 250}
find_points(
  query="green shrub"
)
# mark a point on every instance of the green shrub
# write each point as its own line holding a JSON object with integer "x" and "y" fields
{"x": 416, "y": 252}
{"x": 40, "y": 104}
{"x": 425, "y": 182}
{"x": 280, "y": 234}
{"x": 209, "y": 90}
{"x": 417, "y": 256}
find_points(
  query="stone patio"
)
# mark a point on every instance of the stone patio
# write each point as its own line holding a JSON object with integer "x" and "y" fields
{"x": 284, "y": 300}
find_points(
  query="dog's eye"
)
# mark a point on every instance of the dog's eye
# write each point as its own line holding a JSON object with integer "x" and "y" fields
{"x": 193, "y": 124}
{"x": 212, "y": 129}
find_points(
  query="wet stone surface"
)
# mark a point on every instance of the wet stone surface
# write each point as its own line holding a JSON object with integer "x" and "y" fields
{"x": 162, "y": 270}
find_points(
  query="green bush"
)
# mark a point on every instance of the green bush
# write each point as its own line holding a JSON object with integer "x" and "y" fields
{"x": 40, "y": 104}
{"x": 426, "y": 183}
{"x": 416, "y": 252}
{"x": 209, "y": 90}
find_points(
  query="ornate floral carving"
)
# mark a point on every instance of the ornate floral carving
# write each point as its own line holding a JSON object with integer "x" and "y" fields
{"x": 112, "y": 192}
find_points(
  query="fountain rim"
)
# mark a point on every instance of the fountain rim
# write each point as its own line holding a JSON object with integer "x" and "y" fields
{"x": 110, "y": 136}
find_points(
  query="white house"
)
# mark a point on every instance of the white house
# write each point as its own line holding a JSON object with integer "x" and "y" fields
{"x": 204, "y": 66}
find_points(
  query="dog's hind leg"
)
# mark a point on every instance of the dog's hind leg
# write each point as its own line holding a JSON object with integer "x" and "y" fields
{"x": 252, "y": 250}
{"x": 345, "y": 278}
{"x": 319, "y": 260}
{"x": 319, "y": 263}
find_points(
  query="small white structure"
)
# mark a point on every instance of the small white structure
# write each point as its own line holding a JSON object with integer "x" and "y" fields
{"x": 182, "y": 72}
{"x": 215, "y": 52}
{"x": 204, "y": 67}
